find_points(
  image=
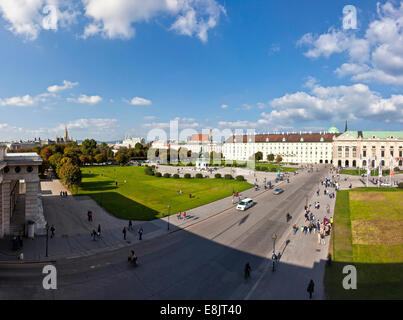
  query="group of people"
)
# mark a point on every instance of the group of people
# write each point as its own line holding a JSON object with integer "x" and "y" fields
{"x": 125, "y": 229}
{"x": 181, "y": 215}
{"x": 63, "y": 193}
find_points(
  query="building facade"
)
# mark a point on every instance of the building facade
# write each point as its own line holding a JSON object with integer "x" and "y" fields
{"x": 19, "y": 181}
{"x": 292, "y": 147}
{"x": 380, "y": 147}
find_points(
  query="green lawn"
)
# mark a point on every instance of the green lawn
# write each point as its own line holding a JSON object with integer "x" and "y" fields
{"x": 368, "y": 234}
{"x": 374, "y": 173}
{"x": 145, "y": 197}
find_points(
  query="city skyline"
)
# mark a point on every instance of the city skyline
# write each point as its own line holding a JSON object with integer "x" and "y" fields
{"x": 105, "y": 76}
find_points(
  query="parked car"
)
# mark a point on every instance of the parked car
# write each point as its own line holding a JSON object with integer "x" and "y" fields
{"x": 245, "y": 204}
{"x": 278, "y": 191}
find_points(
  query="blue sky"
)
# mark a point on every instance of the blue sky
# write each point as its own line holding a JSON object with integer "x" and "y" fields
{"x": 122, "y": 67}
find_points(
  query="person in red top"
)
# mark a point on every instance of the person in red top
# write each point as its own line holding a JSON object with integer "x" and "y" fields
{"x": 184, "y": 215}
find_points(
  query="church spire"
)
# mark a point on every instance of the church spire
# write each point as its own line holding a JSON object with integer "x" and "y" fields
{"x": 346, "y": 128}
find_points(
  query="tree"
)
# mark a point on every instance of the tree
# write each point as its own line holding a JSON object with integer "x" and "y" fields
{"x": 62, "y": 162}
{"x": 279, "y": 158}
{"x": 270, "y": 157}
{"x": 88, "y": 147}
{"x": 122, "y": 156}
{"x": 258, "y": 156}
{"x": 70, "y": 174}
{"x": 100, "y": 158}
{"x": 83, "y": 159}
{"x": 46, "y": 153}
{"x": 54, "y": 160}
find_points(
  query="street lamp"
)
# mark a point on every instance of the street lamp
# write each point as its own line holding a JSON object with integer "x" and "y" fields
{"x": 47, "y": 238}
{"x": 274, "y": 238}
{"x": 169, "y": 207}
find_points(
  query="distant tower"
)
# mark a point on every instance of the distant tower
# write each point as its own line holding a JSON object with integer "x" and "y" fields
{"x": 346, "y": 128}
{"x": 66, "y": 135}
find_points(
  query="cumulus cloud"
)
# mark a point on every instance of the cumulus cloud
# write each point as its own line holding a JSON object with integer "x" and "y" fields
{"x": 19, "y": 101}
{"x": 224, "y": 106}
{"x": 377, "y": 56}
{"x": 324, "y": 104}
{"x": 86, "y": 99}
{"x": 28, "y": 17}
{"x": 115, "y": 19}
{"x": 137, "y": 101}
{"x": 66, "y": 85}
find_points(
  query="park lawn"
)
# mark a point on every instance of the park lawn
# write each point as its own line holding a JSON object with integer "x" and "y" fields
{"x": 374, "y": 173}
{"x": 277, "y": 167}
{"x": 145, "y": 197}
{"x": 367, "y": 234}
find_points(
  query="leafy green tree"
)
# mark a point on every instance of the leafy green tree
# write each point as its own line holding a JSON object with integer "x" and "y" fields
{"x": 55, "y": 159}
{"x": 100, "y": 158}
{"x": 279, "y": 158}
{"x": 258, "y": 156}
{"x": 70, "y": 174}
{"x": 62, "y": 162}
{"x": 122, "y": 156}
{"x": 88, "y": 147}
{"x": 270, "y": 157}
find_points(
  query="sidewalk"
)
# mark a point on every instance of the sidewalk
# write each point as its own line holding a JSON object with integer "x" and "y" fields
{"x": 302, "y": 259}
{"x": 72, "y": 236}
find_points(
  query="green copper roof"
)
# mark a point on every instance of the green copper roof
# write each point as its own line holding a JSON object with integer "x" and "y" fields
{"x": 377, "y": 134}
{"x": 333, "y": 129}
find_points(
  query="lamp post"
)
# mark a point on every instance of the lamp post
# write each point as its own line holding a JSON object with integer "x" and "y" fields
{"x": 274, "y": 238}
{"x": 169, "y": 207}
{"x": 47, "y": 238}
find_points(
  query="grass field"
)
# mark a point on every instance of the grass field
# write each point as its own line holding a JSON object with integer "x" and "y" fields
{"x": 145, "y": 197}
{"x": 367, "y": 234}
{"x": 374, "y": 173}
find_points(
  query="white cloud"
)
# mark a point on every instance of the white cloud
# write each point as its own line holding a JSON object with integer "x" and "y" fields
{"x": 137, "y": 101}
{"x": 86, "y": 99}
{"x": 224, "y": 106}
{"x": 327, "y": 104}
{"x": 26, "y": 17}
{"x": 150, "y": 117}
{"x": 375, "y": 57}
{"x": 19, "y": 101}
{"x": 66, "y": 85}
{"x": 115, "y": 19}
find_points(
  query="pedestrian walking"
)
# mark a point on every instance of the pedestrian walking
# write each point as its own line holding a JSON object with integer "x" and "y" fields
{"x": 140, "y": 233}
{"x": 310, "y": 288}
{"x": 124, "y": 233}
{"x": 130, "y": 225}
{"x": 52, "y": 230}
{"x": 94, "y": 234}
{"x": 247, "y": 270}
{"x": 99, "y": 230}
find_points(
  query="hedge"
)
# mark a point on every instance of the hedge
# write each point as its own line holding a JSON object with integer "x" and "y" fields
{"x": 217, "y": 176}
{"x": 187, "y": 176}
{"x": 149, "y": 171}
{"x": 158, "y": 174}
{"x": 228, "y": 177}
{"x": 176, "y": 176}
{"x": 240, "y": 178}
{"x": 167, "y": 175}
{"x": 199, "y": 175}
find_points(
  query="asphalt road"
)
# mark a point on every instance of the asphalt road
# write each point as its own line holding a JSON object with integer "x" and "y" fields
{"x": 204, "y": 261}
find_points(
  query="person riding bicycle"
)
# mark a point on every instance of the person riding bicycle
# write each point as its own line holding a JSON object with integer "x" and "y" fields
{"x": 247, "y": 270}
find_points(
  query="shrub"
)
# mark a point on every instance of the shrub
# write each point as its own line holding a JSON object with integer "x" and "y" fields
{"x": 199, "y": 175}
{"x": 176, "y": 176}
{"x": 187, "y": 176}
{"x": 217, "y": 176}
{"x": 167, "y": 175}
{"x": 400, "y": 185}
{"x": 397, "y": 169}
{"x": 273, "y": 169}
{"x": 158, "y": 174}
{"x": 228, "y": 177}
{"x": 240, "y": 178}
{"x": 149, "y": 171}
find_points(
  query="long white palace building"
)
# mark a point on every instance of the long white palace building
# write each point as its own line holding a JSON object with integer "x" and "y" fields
{"x": 348, "y": 149}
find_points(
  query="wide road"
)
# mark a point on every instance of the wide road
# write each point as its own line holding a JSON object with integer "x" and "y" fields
{"x": 204, "y": 261}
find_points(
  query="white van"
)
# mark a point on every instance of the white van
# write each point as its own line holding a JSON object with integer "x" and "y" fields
{"x": 245, "y": 204}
